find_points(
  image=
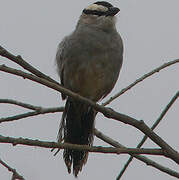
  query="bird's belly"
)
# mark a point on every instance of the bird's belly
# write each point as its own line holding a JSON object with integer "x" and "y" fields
{"x": 92, "y": 80}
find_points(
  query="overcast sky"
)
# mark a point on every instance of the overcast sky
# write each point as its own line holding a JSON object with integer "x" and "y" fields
{"x": 33, "y": 29}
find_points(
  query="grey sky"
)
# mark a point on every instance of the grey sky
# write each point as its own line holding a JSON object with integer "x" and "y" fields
{"x": 33, "y": 29}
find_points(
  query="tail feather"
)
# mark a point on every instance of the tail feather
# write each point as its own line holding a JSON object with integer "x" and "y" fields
{"x": 76, "y": 127}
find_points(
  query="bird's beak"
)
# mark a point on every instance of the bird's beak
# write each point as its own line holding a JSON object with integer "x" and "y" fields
{"x": 112, "y": 11}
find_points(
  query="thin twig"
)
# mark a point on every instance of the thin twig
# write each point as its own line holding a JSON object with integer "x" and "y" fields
{"x": 21, "y": 104}
{"x": 97, "y": 149}
{"x": 153, "y": 127}
{"x": 16, "y": 175}
{"x": 144, "y": 159}
{"x": 18, "y": 59}
{"x": 141, "y": 79}
{"x": 108, "y": 112}
{"x": 25, "y": 65}
{"x": 116, "y": 144}
{"x": 34, "y": 113}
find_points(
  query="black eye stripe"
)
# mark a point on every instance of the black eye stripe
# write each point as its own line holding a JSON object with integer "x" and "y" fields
{"x": 104, "y": 3}
{"x": 94, "y": 12}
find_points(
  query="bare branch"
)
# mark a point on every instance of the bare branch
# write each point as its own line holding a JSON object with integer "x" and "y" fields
{"x": 21, "y": 104}
{"x": 97, "y": 149}
{"x": 113, "y": 143}
{"x": 139, "y": 157}
{"x": 153, "y": 127}
{"x": 141, "y": 79}
{"x": 16, "y": 175}
{"x": 144, "y": 159}
{"x": 108, "y": 112}
{"x": 18, "y": 59}
{"x": 34, "y": 113}
{"x": 38, "y": 110}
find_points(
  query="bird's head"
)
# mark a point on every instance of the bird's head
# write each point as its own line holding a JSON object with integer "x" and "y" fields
{"x": 100, "y": 14}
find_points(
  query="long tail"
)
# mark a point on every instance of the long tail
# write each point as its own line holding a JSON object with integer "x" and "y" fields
{"x": 76, "y": 127}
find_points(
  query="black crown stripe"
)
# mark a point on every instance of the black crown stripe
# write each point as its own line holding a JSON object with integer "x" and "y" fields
{"x": 104, "y": 3}
{"x": 94, "y": 12}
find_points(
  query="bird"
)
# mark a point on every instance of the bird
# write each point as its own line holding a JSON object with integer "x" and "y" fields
{"x": 88, "y": 63}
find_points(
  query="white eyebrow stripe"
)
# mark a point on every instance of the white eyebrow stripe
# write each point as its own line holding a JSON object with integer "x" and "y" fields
{"x": 96, "y": 7}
